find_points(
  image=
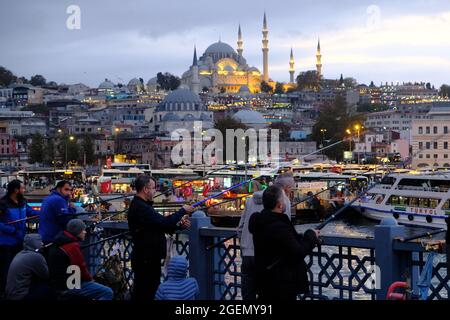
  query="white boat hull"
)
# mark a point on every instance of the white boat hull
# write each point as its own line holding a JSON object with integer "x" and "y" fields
{"x": 401, "y": 217}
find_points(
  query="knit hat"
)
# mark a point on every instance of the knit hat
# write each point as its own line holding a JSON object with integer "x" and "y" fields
{"x": 75, "y": 226}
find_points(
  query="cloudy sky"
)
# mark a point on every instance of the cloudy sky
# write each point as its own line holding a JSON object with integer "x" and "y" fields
{"x": 379, "y": 40}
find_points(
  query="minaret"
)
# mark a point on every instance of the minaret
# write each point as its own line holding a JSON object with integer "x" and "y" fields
{"x": 265, "y": 49}
{"x": 291, "y": 67}
{"x": 319, "y": 61}
{"x": 195, "y": 81}
{"x": 240, "y": 42}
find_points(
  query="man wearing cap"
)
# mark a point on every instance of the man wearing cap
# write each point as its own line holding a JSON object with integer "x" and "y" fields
{"x": 65, "y": 256}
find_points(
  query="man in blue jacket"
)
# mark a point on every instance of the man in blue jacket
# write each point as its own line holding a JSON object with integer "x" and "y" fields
{"x": 13, "y": 213}
{"x": 56, "y": 212}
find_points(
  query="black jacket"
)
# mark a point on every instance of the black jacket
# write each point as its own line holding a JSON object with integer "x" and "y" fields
{"x": 279, "y": 254}
{"x": 148, "y": 228}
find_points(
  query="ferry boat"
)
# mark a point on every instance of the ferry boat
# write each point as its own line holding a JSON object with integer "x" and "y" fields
{"x": 412, "y": 199}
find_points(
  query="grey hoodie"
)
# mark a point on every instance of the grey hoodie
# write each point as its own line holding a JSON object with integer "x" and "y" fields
{"x": 26, "y": 265}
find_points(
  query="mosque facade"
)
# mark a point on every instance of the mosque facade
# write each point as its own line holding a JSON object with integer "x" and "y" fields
{"x": 221, "y": 68}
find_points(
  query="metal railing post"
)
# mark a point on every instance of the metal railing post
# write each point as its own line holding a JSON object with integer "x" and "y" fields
{"x": 200, "y": 262}
{"x": 389, "y": 263}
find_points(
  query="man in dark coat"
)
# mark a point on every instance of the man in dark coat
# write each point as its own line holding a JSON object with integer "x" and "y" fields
{"x": 281, "y": 272}
{"x": 13, "y": 212}
{"x": 148, "y": 229}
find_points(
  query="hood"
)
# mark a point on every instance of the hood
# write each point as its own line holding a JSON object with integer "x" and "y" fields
{"x": 32, "y": 241}
{"x": 257, "y": 197}
{"x": 63, "y": 238}
{"x": 177, "y": 269}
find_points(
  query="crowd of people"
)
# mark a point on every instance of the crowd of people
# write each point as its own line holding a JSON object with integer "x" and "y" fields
{"x": 50, "y": 264}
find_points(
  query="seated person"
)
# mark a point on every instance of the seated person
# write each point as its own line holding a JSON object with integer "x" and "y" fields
{"x": 66, "y": 252}
{"x": 28, "y": 277}
{"x": 178, "y": 285}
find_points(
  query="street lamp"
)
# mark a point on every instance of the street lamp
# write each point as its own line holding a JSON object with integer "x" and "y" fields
{"x": 323, "y": 142}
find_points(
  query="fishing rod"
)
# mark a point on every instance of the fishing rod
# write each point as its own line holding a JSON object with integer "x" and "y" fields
{"x": 202, "y": 178}
{"x": 235, "y": 234}
{"x": 426, "y": 234}
{"x": 23, "y": 219}
{"x": 337, "y": 213}
{"x": 105, "y": 239}
{"x": 222, "y": 202}
{"x": 38, "y": 217}
{"x": 313, "y": 195}
{"x": 106, "y": 201}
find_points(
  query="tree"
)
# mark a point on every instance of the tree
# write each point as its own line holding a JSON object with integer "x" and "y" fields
{"x": 228, "y": 123}
{"x": 37, "y": 148}
{"x": 428, "y": 86}
{"x": 167, "y": 81}
{"x": 308, "y": 80}
{"x": 279, "y": 88}
{"x": 331, "y": 127}
{"x": 22, "y": 80}
{"x": 284, "y": 129}
{"x": 265, "y": 87}
{"x": 6, "y": 77}
{"x": 445, "y": 90}
{"x": 49, "y": 155}
{"x": 350, "y": 82}
{"x": 38, "y": 80}
{"x": 73, "y": 150}
{"x": 88, "y": 149}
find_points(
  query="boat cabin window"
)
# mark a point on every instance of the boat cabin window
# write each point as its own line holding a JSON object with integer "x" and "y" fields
{"x": 446, "y": 205}
{"x": 388, "y": 180}
{"x": 432, "y": 185}
{"x": 413, "y": 202}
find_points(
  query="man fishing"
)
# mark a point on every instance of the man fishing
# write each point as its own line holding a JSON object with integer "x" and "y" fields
{"x": 148, "y": 229}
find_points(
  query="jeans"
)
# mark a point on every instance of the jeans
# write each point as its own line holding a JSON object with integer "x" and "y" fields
{"x": 92, "y": 290}
{"x": 248, "y": 276}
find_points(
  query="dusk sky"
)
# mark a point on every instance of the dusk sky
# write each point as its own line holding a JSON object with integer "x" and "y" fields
{"x": 392, "y": 40}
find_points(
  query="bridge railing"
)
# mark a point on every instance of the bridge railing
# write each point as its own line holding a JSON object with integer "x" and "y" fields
{"x": 341, "y": 268}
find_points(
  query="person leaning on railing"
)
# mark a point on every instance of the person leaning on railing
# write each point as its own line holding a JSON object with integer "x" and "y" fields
{"x": 281, "y": 271}
{"x": 148, "y": 228}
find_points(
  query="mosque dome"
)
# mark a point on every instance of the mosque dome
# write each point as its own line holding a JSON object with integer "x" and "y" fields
{"x": 250, "y": 117}
{"x": 182, "y": 95}
{"x": 153, "y": 81}
{"x": 106, "y": 85}
{"x": 134, "y": 82}
{"x": 181, "y": 99}
{"x": 220, "y": 47}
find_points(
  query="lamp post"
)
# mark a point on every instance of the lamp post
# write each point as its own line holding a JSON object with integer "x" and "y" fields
{"x": 349, "y": 132}
{"x": 323, "y": 142}
{"x": 358, "y": 128}
{"x": 71, "y": 138}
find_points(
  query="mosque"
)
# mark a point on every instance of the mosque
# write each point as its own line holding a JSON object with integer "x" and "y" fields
{"x": 223, "y": 69}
